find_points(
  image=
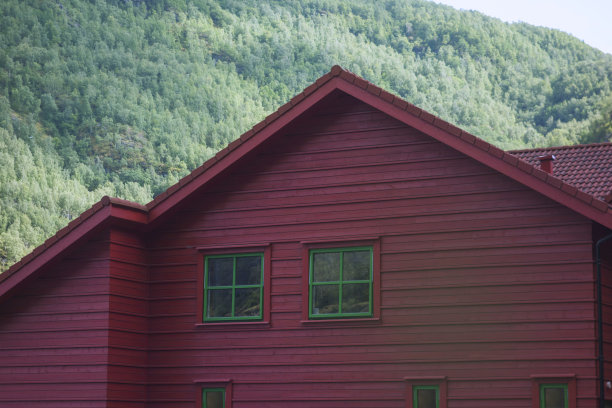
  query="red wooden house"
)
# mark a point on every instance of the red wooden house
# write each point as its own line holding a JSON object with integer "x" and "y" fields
{"x": 351, "y": 250}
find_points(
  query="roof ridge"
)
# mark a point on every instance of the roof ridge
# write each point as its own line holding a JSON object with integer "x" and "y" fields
{"x": 350, "y": 77}
{"x": 564, "y": 147}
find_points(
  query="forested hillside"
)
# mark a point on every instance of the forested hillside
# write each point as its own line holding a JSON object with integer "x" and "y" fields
{"x": 124, "y": 97}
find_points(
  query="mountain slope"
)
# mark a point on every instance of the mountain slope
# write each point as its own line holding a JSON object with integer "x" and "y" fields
{"x": 125, "y": 97}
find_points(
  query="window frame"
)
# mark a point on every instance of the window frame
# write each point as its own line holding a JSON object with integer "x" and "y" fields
{"x": 341, "y": 282}
{"x": 416, "y": 388}
{"x": 412, "y": 384}
{"x": 335, "y": 319}
{"x": 562, "y": 386}
{"x": 568, "y": 381}
{"x": 203, "y": 385}
{"x": 234, "y": 251}
{"x": 205, "y": 390}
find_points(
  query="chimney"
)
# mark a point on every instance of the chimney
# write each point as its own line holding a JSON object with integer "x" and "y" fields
{"x": 546, "y": 163}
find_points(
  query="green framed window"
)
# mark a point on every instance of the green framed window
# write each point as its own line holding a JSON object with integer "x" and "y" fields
{"x": 426, "y": 396}
{"x": 213, "y": 398}
{"x": 233, "y": 287}
{"x": 554, "y": 396}
{"x": 340, "y": 282}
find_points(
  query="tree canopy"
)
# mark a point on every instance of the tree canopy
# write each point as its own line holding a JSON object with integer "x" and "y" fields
{"x": 125, "y": 97}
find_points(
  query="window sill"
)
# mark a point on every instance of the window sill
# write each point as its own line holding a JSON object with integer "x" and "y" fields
{"x": 220, "y": 326}
{"x": 342, "y": 322}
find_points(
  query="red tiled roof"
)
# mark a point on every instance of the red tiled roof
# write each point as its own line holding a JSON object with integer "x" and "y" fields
{"x": 587, "y": 167}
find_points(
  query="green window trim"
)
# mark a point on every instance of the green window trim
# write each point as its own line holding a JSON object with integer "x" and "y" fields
{"x": 553, "y": 386}
{"x": 227, "y": 295}
{"x": 210, "y": 400}
{"x": 415, "y": 395}
{"x": 340, "y": 286}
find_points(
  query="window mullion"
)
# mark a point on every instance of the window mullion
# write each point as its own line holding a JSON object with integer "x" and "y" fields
{"x": 234, "y": 286}
{"x": 340, "y": 284}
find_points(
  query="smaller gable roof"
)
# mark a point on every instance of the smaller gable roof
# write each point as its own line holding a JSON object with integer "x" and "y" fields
{"x": 106, "y": 210}
{"x": 587, "y": 167}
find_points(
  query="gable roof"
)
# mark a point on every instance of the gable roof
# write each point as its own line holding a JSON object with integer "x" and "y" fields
{"x": 587, "y": 167}
{"x": 337, "y": 79}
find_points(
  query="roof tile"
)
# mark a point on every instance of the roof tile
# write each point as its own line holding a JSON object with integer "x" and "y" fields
{"x": 499, "y": 153}
{"x": 454, "y": 130}
{"x": 441, "y": 123}
{"x": 554, "y": 181}
{"x": 539, "y": 174}
{"x": 482, "y": 144}
{"x": 259, "y": 126}
{"x": 246, "y": 135}
{"x": 526, "y": 167}
{"x": 373, "y": 89}
{"x": 387, "y": 96}
{"x": 173, "y": 188}
{"x": 310, "y": 89}
{"x": 284, "y": 108}
{"x": 322, "y": 80}
{"x": 336, "y": 70}
{"x": 297, "y": 99}
{"x": 400, "y": 103}
{"x": 271, "y": 117}
{"x": 571, "y": 190}
{"x": 508, "y": 158}
{"x": 234, "y": 144}
{"x": 222, "y": 153}
{"x": 587, "y": 167}
{"x": 360, "y": 82}
{"x": 415, "y": 110}
{"x": 600, "y": 205}
{"x": 587, "y": 198}
{"x": 468, "y": 137}
{"x": 347, "y": 76}
{"x": 50, "y": 241}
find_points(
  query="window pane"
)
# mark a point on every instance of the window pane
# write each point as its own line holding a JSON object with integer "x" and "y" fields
{"x": 219, "y": 303}
{"x": 214, "y": 399}
{"x": 355, "y": 298}
{"x": 426, "y": 398}
{"x": 326, "y": 267}
{"x": 247, "y": 302}
{"x": 248, "y": 270}
{"x": 554, "y": 397}
{"x": 220, "y": 271}
{"x": 325, "y": 299}
{"x": 356, "y": 265}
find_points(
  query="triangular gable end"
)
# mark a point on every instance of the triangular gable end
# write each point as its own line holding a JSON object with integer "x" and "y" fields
{"x": 339, "y": 79}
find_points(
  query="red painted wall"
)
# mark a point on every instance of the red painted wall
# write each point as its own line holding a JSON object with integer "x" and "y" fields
{"x": 606, "y": 275}
{"x": 54, "y": 334}
{"x": 127, "y": 320}
{"x": 483, "y": 281}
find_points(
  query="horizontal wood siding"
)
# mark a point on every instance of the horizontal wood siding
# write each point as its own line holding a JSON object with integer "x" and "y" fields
{"x": 606, "y": 279}
{"x": 128, "y": 321}
{"x": 54, "y": 334}
{"x": 483, "y": 281}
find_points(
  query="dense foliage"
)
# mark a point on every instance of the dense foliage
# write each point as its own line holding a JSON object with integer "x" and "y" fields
{"x": 124, "y": 97}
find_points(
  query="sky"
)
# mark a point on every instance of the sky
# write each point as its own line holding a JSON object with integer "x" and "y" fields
{"x": 589, "y": 20}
